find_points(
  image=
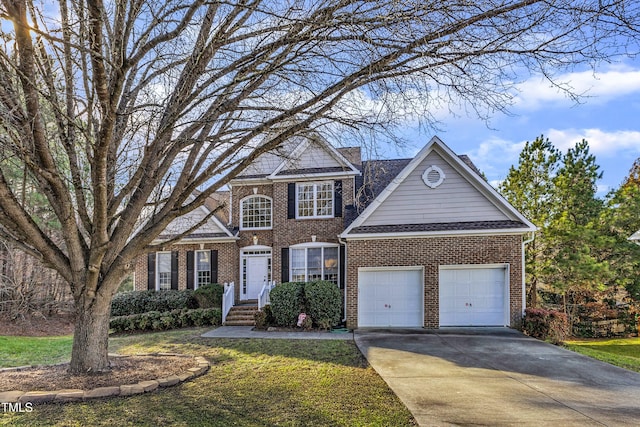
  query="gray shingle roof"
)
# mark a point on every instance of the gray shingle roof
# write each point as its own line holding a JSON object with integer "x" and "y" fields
{"x": 449, "y": 226}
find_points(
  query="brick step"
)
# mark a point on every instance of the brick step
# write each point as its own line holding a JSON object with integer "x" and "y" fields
{"x": 242, "y": 315}
{"x": 239, "y": 323}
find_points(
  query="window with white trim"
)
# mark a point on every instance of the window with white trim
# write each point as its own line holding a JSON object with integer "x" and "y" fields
{"x": 255, "y": 213}
{"x": 314, "y": 199}
{"x": 314, "y": 263}
{"x": 163, "y": 271}
{"x": 203, "y": 268}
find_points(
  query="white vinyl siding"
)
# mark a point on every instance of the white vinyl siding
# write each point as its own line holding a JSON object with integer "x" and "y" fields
{"x": 455, "y": 200}
{"x": 255, "y": 213}
{"x": 313, "y": 157}
{"x": 163, "y": 271}
{"x": 203, "y": 268}
{"x": 314, "y": 199}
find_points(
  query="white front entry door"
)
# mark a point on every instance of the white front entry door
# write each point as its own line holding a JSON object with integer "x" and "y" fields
{"x": 255, "y": 275}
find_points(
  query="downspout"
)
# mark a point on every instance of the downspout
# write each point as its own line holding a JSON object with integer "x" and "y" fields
{"x": 230, "y": 222}
{"x": 524, "y": 275}
{"x": 344, "y": 319}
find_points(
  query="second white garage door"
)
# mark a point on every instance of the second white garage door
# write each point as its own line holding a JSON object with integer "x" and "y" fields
{"x": 473, "y": 296}
{"x": 390, "y": 297}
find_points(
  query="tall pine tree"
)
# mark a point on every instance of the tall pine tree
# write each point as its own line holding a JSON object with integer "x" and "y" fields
{"x": 529, "y": 187}
{"x": 571, "y": 235}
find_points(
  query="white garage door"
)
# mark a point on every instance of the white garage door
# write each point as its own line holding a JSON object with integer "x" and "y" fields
{"x": 474, "y": 296}
{"x": 390, "y": 298}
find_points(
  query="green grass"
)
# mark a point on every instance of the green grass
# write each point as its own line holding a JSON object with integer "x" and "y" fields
{"x": 251, "y": 383}
{"x": 623, "y": 352}
{"x": 20, "y": 351}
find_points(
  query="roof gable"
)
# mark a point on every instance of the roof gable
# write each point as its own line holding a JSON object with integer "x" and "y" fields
{"x": 452, "y": 195}
{"x": 211, "y": 229}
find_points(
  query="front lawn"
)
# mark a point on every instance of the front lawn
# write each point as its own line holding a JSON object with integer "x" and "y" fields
{"x": 623, "y": 352}
{"x": 251, "y": 383}
{"x": 20, "y": 351}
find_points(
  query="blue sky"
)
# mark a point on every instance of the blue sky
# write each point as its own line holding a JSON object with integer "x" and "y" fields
{"x": 608, "y": 117}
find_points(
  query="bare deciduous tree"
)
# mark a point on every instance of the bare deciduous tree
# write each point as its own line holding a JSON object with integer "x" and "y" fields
{"x": 119, "y": 110}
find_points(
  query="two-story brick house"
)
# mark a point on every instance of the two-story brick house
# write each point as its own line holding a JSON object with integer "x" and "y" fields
{"x": 422, "y": 242}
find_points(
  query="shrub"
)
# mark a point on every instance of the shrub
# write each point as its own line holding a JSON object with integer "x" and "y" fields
{"x": 287, "y": 301}
{"x": 208, "y": 296}
{"x": 155, "y": 320}
{"x": 136, "y": 302}
{"x": 324, "y": 303}
{"x": 260, "y": 318}
{"x": 549, "y": 325}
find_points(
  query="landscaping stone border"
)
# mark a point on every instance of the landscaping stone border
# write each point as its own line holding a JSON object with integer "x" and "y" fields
{"x": 77, "y": 395}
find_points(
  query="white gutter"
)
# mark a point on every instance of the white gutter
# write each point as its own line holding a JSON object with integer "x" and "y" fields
{"x": 524, "y": 274}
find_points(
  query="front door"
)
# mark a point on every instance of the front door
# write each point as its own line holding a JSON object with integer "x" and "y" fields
{"x": 256, "y": 272}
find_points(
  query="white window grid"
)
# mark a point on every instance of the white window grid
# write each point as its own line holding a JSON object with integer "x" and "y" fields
{"x": 256, "y": 213}
{"x": 314, "y": 263}
{"x": 203, "y": 268}
{"x": 315, "y": 200}
{"x": 163, "y": 271}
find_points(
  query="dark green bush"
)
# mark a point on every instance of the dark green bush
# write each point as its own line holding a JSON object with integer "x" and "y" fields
{"x": 136, "y": 302}
{"x": 209, "y": 296}
{"x": 287, "y": 301}
{"x": 155, "y": 320}
{"x": 324, "y": 303}
{"x": 548, "y": 325}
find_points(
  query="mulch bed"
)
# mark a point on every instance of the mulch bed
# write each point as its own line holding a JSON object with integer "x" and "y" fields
{"x": 124, "y": 370}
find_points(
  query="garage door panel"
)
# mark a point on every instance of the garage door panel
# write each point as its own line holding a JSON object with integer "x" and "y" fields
{"x": 472, "y": 296}
{"x": 390, "y": 298}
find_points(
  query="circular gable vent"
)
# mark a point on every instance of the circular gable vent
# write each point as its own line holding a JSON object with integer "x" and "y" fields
{"x": 433, "y": 176}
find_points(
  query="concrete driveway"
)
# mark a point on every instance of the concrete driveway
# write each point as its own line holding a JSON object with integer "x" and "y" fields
{"x": 498, "y": 376}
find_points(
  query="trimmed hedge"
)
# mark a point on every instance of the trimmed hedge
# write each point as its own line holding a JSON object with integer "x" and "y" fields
{"x": 209, "y": 296}
{"x": 287, "y": 301}
{"x": 320, "y": 300}
{"x": 324, "y": 303}
{"x": 158, "y": 321}
{"x": 137, "y": 302}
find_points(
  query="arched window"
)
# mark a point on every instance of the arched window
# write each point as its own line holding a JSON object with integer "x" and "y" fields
{"x": 255, "y": 213}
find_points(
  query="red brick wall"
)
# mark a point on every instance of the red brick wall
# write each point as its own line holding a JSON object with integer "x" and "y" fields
{"x": 285, "y": 232}
{"x": 227, "y": 264}
{"x": 431, "y": 253}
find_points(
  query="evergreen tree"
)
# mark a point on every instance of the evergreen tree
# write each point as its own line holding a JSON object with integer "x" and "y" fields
{"x": 529, "y": 188}
{"x": 620, "y": 219}
{"x": 571, "y": 235}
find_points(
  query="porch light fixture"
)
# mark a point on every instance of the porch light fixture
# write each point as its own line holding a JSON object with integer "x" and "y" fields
{"x": 255, "y": 239}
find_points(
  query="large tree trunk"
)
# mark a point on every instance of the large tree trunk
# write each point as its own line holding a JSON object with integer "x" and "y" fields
{"x": 91, "y": 337}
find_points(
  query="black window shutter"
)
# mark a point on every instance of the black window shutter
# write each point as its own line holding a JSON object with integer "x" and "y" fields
{"x": 337, "y": 192}
{"x": 341, "y": 266}
{"x": 190, "y": 270}
{"x": 151, "y": 271}
{"x": 214, "y": 266}
{"x": 174, "y": 270}
{"x": 284, "y": 261}
{"x": 291, "y": 200}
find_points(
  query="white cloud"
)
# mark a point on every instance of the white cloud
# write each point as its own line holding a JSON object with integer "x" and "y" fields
{"x": 601, "y": 143}
{"x": 494, "y": 156}
{"x": 599, "y": 87}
